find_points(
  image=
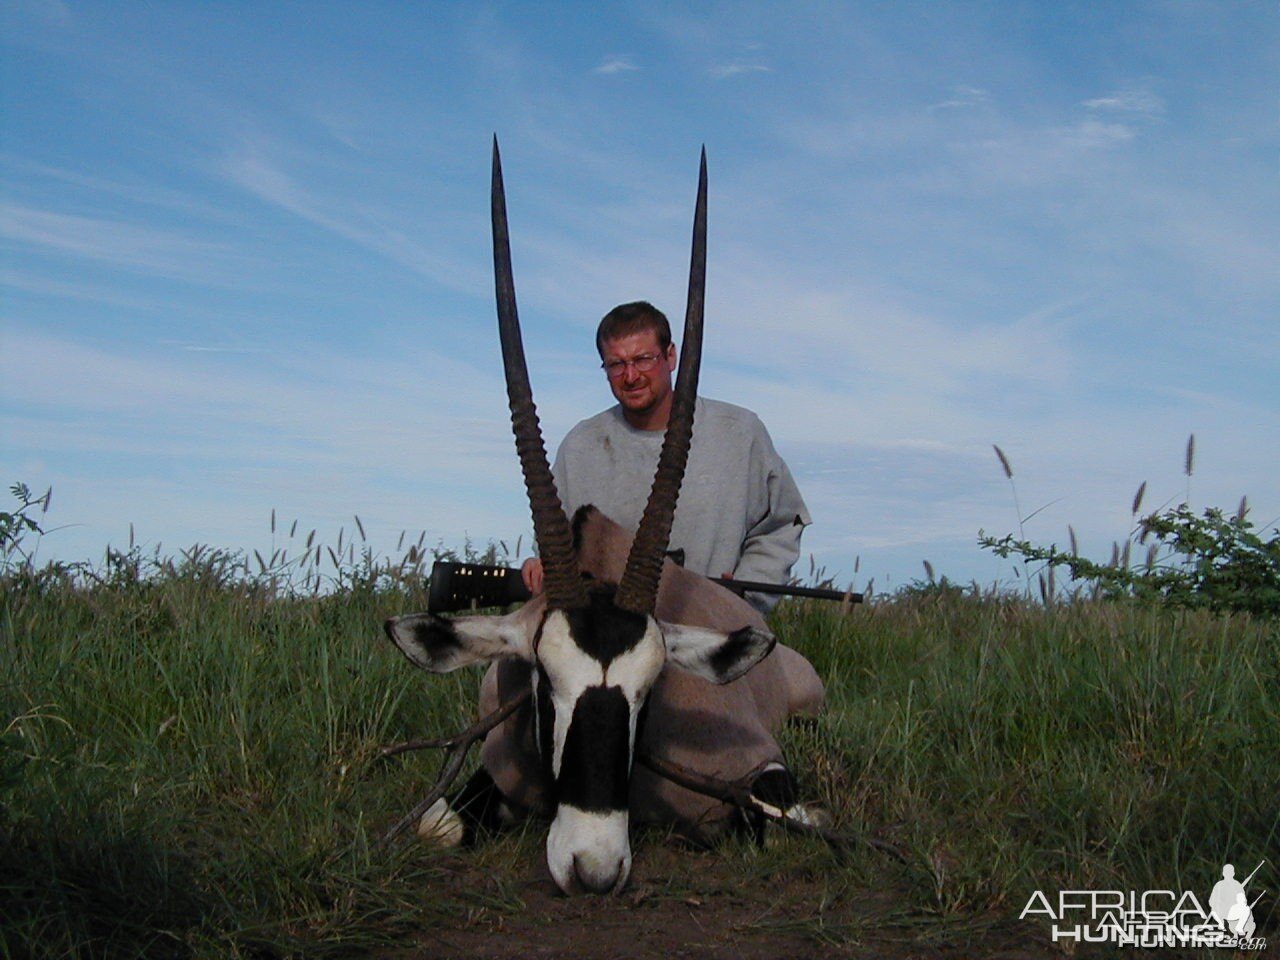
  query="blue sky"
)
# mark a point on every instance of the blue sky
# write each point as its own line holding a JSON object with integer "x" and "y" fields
{"x": 246, "y": 263}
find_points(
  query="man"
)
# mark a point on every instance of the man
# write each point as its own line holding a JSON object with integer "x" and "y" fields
{"x": 1226, "y": 893}
{"x": 739, "y": 512}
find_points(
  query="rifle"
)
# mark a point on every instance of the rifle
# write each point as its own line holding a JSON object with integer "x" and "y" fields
{"x": 470, "y": 586}
{"x": 1255, "y": 870}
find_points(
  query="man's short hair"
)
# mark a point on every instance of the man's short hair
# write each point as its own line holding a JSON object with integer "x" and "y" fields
{"x": 630, "y": 318}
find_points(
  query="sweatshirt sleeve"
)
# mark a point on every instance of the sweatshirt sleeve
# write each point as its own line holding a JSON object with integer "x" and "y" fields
{"x": 772, "y": 543}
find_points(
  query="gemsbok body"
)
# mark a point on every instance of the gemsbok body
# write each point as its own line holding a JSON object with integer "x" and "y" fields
{"x": 622, "y": 649}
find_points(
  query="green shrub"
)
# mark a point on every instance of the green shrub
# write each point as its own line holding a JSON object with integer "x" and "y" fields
{"x": 1211, "y": 561}
{"x": 15, "y": 526}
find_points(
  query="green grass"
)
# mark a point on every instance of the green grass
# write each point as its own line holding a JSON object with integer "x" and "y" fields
{"x": 193, "y": 766}
{"x": 1012, "y": 747}
{"x": 188, "y": 760}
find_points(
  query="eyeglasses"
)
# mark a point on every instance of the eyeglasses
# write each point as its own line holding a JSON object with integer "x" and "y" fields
{"x": 643, "y": 364}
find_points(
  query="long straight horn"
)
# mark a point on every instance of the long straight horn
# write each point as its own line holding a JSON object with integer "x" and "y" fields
{"x": 638, "y": 589}
{"x": 555, "y": 541}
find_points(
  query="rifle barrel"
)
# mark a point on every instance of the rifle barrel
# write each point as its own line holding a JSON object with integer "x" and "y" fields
{"x": 817, "y": 593}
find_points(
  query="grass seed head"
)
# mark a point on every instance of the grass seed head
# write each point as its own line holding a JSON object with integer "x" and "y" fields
{"x": 1004, "y": 461}
{"x": 1137, "y": 498}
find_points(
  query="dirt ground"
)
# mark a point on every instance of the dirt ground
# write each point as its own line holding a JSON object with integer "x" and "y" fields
{"x": 690, "y": 904}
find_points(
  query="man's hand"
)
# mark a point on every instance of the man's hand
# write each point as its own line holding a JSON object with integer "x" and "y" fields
{"x": 531, "y": 574}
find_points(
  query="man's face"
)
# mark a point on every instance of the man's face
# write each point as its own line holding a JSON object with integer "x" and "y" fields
{"x": 639, "y": 391}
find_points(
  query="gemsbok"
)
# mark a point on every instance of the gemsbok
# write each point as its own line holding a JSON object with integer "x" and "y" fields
{"x": 624, "y": 651}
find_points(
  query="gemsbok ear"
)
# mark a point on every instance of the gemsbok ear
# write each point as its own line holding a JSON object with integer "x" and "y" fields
{"x": 714, "y": 655}
{"x": 441, "y": 645}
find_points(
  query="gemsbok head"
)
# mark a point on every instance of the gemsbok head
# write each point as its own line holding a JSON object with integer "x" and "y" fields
{"x": 595, "y": 649}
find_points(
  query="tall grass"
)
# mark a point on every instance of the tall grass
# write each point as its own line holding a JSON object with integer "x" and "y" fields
{"x": 188, "y": 758}
{"x": 190, "y": 767}
{"x": 1013, "y": 746}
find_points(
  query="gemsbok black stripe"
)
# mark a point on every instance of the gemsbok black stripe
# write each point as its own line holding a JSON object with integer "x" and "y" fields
{"x": 601, "y": 630}
{"x": 596, "y": 763}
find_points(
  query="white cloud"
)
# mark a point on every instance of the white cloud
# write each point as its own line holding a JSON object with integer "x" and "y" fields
{"x": 18, "y": 169}
{"x": 369, "y": 228}
{"x": 156, "y": 250}
{"x": 1233, "y": 246}
{"x": 615, "y": 64}
{"x": 202, "y": 348}
{"x": 1095, "y": 134}
{"x": 214, "y": 442}
{"x": 1141, "y": 103}
{"x": 347, "y": 408}
{"x": 885, "y": 349}
{"x": 76, "y": 290}
{"x": 1034, "y": 157}
{"x": 963, "y": 97}
{"x": 737, "y": 68}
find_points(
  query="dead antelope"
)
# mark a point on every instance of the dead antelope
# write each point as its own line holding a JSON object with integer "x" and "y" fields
{"x": 624, "y": 651}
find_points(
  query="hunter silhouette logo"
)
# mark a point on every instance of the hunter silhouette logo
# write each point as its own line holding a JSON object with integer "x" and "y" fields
{"x": 1155, "y": 918}
{"x": 1230, "y": 903}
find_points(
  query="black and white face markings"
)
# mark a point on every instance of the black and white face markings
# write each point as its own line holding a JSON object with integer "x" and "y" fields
{"x": 593, "y": 670}
{"x": 595, "y": 667}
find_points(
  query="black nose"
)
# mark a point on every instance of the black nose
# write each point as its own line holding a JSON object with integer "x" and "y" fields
{"x": 596, "y": 885}
{"x": 389, "y": 626}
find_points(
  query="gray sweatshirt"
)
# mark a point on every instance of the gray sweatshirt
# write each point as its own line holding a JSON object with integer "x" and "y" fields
{"x": 739, "y": 511}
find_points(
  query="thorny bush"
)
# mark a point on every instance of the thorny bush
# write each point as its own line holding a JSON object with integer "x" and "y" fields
{"x": 1211, "y": 561}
